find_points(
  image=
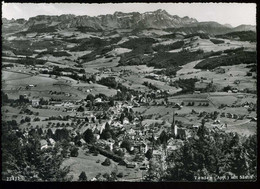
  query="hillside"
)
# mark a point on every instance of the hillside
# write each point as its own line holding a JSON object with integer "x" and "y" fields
{"x": 240, "y": 35}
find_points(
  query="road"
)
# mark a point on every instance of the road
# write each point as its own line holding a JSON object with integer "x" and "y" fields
{"x": 247, "y": 121}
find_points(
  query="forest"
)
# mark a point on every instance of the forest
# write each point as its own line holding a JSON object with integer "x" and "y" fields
{"x": 210, "y": 154}
{"x": 240, "y": 57}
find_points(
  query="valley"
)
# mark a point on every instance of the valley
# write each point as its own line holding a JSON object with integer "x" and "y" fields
{"x": 114, "y": 95}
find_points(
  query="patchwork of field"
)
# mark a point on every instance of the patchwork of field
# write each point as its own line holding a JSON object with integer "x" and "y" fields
{"x": 207, "y": 46}
{"x": 136, "y": 81}
{"x": 16, "y": 84}
{"x": 232, "y": 74}
{"x": 185, "y": 115}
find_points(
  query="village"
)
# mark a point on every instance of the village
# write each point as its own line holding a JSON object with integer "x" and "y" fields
{"x": 118, "y": 127}
{"x": 128, "y": 97}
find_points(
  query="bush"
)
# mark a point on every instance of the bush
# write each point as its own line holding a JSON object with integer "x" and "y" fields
{"x": 120, "y": 175}
{"x": 98, "y": 161}
{"x": 27, "y": 119}
{"x": 95, "y": 153}
{"x": 227, "y": 88}
{"x": 126, "y": 144}
{"x": 248, "y": 74}
{"x": 107, "y": 162}
{"x": 74, "y": 152}
{"x": 36, "y": 119}
{"x": 82, "y": 176}
{"x": 108, "y": 81}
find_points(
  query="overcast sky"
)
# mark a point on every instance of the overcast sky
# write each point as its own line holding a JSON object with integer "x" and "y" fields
{"x": 231, "y": 13}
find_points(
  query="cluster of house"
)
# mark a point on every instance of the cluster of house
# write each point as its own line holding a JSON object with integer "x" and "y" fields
{"x": 49, "y": 143}
{"x": 162, "y": 78}
{"x": 233, "y": 116}
{"x": 131, "y": 131}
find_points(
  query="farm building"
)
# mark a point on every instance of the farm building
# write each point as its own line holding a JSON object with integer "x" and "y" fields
{"x": 51, "y": 142}
{"x": 35, "y": 102}
{"x": 128, "y": 164}
{"x": 98, "y": 100}
{"x": 97, "y": 136}
{"x": 82, "y": 141}
{"x": 44, "y": 144}
{"x": 141, "y": 147}
{"x": 66, "y": 73}
{"x": 125, "y": 121}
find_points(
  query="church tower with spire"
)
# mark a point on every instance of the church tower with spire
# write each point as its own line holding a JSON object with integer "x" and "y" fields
{"x": 174, "y": 127}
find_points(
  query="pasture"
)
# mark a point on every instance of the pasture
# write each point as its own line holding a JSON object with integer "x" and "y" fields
{"x": 88, "y": 164}
{"x": 206, "y": 45}
{"x": 101, "y": 62}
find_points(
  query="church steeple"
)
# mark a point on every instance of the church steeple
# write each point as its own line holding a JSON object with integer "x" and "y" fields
{"x": 174, "y": 127}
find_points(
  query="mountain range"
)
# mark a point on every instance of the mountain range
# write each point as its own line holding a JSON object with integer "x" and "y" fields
{"x": 159, "y": 19}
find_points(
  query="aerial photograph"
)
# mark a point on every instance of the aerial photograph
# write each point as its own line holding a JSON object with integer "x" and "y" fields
{"x": 129, "y": 92}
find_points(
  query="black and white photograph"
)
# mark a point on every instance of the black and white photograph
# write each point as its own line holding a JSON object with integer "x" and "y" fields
{"x": 129, "y": 92}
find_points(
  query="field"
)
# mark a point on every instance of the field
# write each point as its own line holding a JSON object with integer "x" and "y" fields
{"x": 207, "y": 46}
{"x": 7, "y": 76}
{"x": 188, "y": 68}
{"x": 136, "y": 69}
{"x": 101, "y": 62}
{"x": 88, "y": 164}
{"x": 16, "y": 83}
{"x": 136, "y": 81}
{"x": 232, "y": 74}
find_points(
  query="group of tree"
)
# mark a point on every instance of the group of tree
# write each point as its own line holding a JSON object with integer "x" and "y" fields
{"x": 88, "y": 136}
{"x": 26, "y": 61}
{"x": 234, "y": 57}
{"x": 227, "y": 88}
{"x": 107, "y": 132}
{"x": 169, "y": 71}
{"x": 187, "y": 85}
{"x": 22, "y": 157}
{"x": 150, "y": 85}
{"x": 212, "y": 154}
{"x": 109, "y": 82}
